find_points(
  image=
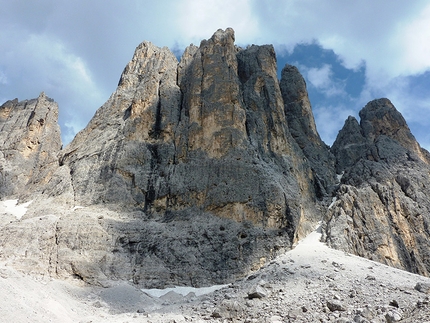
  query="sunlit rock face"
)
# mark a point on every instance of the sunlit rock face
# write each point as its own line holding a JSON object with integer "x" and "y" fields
{"x": 208, "y": 132}
{"x": 199, "y": 171}
{"x": 203, "y": 138}
{"x": 29, "y": 143}
{"x": 382, "y": 210}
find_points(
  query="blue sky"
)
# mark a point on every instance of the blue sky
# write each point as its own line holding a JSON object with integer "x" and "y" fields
{"x": 349, "y": 52}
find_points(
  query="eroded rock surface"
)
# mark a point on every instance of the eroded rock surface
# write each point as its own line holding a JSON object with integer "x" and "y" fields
{"x": 209, "y": 132}
{"x": 188, "y": 174}
{"x": 201, "y": 171}
{"x": 303, "y": 129}
{"x": 29, "y": 144}
{"x": 381, "y": 209}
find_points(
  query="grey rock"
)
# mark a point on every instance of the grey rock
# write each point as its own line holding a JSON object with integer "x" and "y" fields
{"x": 295, "y": 314}
{"x": 381, "y": 209}
{"x": 350, "y": 145}
{"x": 172, "y": 298}
{"x": 205, "y": 139}
{"x": 302, "y": 126}
{"x": 394, "y": 303}
{"x": 29, "y": 144}
{"x": 29, "y": 244}
{"x": 201, "y": 171}
{"x": 335, "y": 306}
{"x": 169, "y": 147}
{"x": 257, "y": 291}
{"x": 229, "y": 310}
{"x": 342, "y": 320}
{"x": 423, "y": 288}
{"x": 393, "y": 315}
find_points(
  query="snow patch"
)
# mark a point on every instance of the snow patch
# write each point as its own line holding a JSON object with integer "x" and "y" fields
{"x": 183, "y": 290}
{"x": 12, "y": 207}
{"x": 339, "y": 176}
{"x": 333, "y": 200}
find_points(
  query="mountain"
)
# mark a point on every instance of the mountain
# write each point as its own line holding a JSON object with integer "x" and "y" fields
{"x": 381, "y": 209}
{"x": 30, "y": 141}
{"x": 200, "y": 171}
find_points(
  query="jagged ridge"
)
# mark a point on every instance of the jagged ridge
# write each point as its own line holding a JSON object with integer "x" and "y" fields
{"x": 198, "y": 171}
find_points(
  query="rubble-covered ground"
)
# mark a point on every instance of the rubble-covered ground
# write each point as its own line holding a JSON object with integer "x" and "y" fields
{"x": 311, "y": 283}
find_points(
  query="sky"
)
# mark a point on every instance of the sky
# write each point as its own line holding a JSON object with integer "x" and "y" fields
{"x": 350, "y": 52}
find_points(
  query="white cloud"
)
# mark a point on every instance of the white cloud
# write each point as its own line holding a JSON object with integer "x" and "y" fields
{"x": 357, "y": 31}
{"x": 200, "y": 19}
{"x": 414, "y": 41}
{"x": 322, "y": 79}
{"x": 330, "y": 119}
{"x": 3, "y": 78}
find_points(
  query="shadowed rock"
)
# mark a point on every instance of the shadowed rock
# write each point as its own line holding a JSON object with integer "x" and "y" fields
{"x": 302, "y": 126}
{"x": 29, "y": 144}
{"x": 202, "y": 146}
{"x": 382, "y": 208}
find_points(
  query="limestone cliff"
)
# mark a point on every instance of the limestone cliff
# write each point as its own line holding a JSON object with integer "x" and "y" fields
{"x": 381, "y": 209}
{"x": 209, "y": 132}
{"x": 303, "y": 129}
{"x": 188, "y": 174}
{"x": 29, "y": 144}
{"x": 200, "y": 171}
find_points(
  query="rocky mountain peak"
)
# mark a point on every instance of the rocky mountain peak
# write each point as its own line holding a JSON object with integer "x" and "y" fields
{"x": 302, "y": 127}
{"x": 200, "y": 171}
{"x": 349, "y": 146}
{"x": 201, "y": 146}
{"x": 380, "y": 207}
{"x": 29, "y": 143}
{"x": 294, "y": 91}
{"x": 211, "y": 99}
{"x": 381, "y": 134}
{"x": 380, "y": 118}
{"x": 147, "y": 58}
{"x": 222, "y": 38}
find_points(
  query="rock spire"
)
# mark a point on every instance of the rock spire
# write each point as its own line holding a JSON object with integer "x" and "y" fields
{"x": 381, "y": 207}
{"x": 29, "y": 143}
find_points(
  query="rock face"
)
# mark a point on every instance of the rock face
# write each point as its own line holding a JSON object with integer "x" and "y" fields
{"x": 209, "y": 132}
{"x": 188, "y": 174}
{"x": 303, "y": 129}
{"x": 200, "y": 171}
{"x": 381, "y": 210}
{"x": 29, "y": 144}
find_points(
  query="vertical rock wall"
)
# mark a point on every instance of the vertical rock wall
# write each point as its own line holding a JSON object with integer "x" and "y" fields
{"x": 199, "y": 154}
{"x": 303, "y": 129}
{"x": 381, "y": 209}
{"x": 29, "y": 143}
{"x": 209, "y": 132}
{"x": 199, "y": 171}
